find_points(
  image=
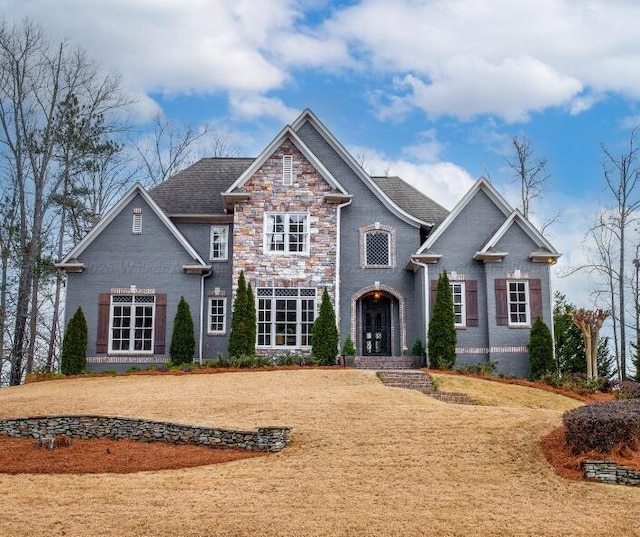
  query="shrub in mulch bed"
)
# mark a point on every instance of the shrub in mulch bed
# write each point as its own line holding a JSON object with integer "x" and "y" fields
{"x": 626, "y": 389}
{"x": 603, "y": 426}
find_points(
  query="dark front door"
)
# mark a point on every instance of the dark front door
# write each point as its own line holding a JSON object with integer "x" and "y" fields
{"x": 376, "y": 335}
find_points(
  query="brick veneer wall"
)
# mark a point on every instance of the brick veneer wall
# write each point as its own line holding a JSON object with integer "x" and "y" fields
{"x": 270, "y": 439}
{"x": 610, "y": 472}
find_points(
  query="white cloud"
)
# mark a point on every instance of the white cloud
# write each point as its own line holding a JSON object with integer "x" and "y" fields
{"x": 251, "y": 107}
{"x": 444, "y": 182}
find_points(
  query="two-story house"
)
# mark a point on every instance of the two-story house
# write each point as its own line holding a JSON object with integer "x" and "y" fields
{"x": 301, "y": 217}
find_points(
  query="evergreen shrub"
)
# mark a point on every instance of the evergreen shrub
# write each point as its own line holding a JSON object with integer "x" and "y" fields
{"x": 442, "y": 330}
{"x": 73, "y": 358}
{"x": 540, "y": 349}
{"x": 325, "y": 339}
{"x": 183, "y": 340}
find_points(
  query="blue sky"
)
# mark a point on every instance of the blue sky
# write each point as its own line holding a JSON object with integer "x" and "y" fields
{"x": 430, "y": 90}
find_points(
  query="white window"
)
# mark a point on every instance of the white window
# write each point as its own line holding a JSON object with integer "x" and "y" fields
{"x": 287, "y": 170}
{"x": 377, "y": 246}
{"x": 459, "y": 303}
{"x": 136, "y": 227}
{"x": 131, "y": 324}
{"x": 219, "y": 243}
{"x": 518, "y": 303}
{"x": 217, "y": 315}
{"x": 285, "y": 317}
{"x": 286, "y": 233}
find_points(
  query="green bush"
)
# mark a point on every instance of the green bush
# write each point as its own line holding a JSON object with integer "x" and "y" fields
{"x": 324, "y": 340}
{"x": 242, "y": 338}
{"x": 483, "y": 369}
{"x": 294, "y": 359}
{"x": 603, "y": 426}
{"x": 626, "y": 389}
{"x": 183, "y": 340}
{"x": 540, "y": 350}
{"x": 418, "y": 348}
{"x": 349, "y": 348}
{"x": 442, "y": 330}
{"x": 73, "y": 358}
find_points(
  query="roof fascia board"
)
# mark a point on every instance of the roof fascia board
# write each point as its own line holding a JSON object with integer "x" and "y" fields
{"x": 286, "y": 132}
{"x": 480, "y": 184}
{"x": 116, "y": 210}
{"x": 517, "y": 217}
{"x": 308, "y": 115}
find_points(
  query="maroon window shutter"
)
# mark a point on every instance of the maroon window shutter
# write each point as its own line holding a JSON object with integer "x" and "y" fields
{"x": 102, "y": 336}
{"x": 502, "y": 314}
{"x": 535, "y": 298}
{"x": 432, "y": 297}
{"x": 471, "y": 297}
{"x": 161, "y": 324}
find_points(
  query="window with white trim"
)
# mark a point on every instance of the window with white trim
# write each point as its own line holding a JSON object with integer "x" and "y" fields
{"x": 287, "y": 170}
{"x": 136, "y": 226}
{"x": 286, "y": 233}
{"x": 285, "y": 317}
{"x": 217, "y": 323}
{"x": 518, "y": 303}
{"x": 377, "y": 245}
{"x": 219, "y": 238}
{"x": 459, "y": 303}
{"x": 131, "y": 324}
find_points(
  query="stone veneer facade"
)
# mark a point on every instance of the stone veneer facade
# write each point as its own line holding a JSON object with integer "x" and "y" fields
{"x": 305, "y": 195}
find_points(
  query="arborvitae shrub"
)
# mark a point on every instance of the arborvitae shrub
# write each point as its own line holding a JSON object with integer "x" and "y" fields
{"x": 418, "y": 349}
{"x": 238, "y": 336}
{"x": 251, "y": 326}
{"x": 348, "y": 348}
{"x": 442, "y": 330}
{"x": 73, "y": 358}
{"x": 540, "y": 348}
{"x": 603, "y": 426}
{"x": 324, "y": 340}
{"x": 183, "y": 341}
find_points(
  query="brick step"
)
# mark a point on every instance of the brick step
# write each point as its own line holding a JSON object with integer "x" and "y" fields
{"x": 421, "y": 381}
{"x": 387, "y": 362}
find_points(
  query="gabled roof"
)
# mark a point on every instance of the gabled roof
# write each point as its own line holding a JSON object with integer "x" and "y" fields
{"x": 308, "y": 115}
{"x": 70, "y": 260}
{"x": 412, "y": 200}
{"x": 196, "y": 189}
{"x": 287, "y": 132}
{"x": 546, "y": 253}
{"x": 480, "y": 185}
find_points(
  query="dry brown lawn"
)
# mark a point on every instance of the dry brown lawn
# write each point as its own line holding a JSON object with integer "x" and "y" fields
{"x": 365, "y": 460}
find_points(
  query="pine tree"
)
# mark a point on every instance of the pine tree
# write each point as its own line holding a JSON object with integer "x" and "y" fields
{"x": 541, "y": 350}
{"x": 570, "y": 354}
{"x": 73, "y": 358}
{"x": 348, "y": 348}
{"x": 442, "y": 331}
{"x": 237, "y": 345}
{"x": 324, "y": 341}
{"x": 183, "y": 341}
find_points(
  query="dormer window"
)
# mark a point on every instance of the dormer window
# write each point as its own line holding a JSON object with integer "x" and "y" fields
{"x": 287, "y": 170}
{"x": 136, "y": 227}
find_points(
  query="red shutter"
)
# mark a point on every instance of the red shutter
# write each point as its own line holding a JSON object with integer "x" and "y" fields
{"x": 432, "y": 296}
{"x": 161, "y": 324}
{"x": 535, "y": 298}
{"x": 102, "y": 335}
{"x": 502, "y": 315}
{"x": 471, "y": 292}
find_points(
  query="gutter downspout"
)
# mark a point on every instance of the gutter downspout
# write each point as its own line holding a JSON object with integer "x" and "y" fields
{"x": 426, "y": 306}
{"x": 553, "y": 330}
{"x": 338, "y": 258}
{"x": 201, "y": 338}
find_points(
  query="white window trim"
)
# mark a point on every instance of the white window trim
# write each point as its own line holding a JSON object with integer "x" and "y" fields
{"x": 287, "y": 170}
{"x": 272, "y": 333}
{"x": 132, "y": 328}
{"x": 527, "y": 299}
{"x": 225, "y": 257}
{"x": 463, "y": 302}
{"x": 224, "y": 316}
{"x": 285, "y": 252}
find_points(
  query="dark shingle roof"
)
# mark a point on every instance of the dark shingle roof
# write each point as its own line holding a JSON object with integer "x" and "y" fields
{"x": 197, "y": 189}
{"x": 412, "y": 200}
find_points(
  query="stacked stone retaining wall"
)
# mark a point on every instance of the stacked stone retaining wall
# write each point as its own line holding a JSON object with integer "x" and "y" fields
{"x": 611, "y": 472}
{"x": 270, "y": 439}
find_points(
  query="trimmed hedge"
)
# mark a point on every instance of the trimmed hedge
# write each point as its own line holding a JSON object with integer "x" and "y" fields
{"x": 603, "y": 426}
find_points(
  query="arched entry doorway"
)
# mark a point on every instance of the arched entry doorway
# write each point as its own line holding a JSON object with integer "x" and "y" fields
{"x": 376, "y": 324}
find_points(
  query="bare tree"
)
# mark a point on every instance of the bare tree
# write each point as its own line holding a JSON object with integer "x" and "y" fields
{"x": 172, "y": 147}
{"x": 621, "y": 174}
{"x": 529, "y": 171}
{"x": 37, "y": 75}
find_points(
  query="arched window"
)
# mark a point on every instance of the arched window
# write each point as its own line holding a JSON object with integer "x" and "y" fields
{"x": 378, "y": 245}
